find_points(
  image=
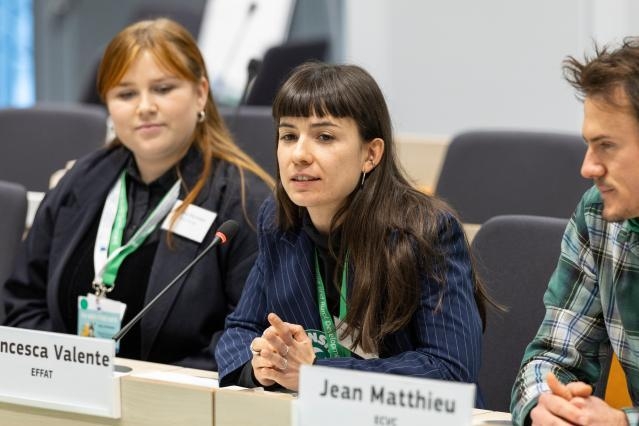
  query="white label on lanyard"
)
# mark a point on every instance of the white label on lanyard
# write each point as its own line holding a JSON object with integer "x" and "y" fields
{"x": 109, "y": 212}
{"x": 193, "y": 224}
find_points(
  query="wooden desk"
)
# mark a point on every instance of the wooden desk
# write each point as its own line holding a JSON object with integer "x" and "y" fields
{"x": 146, "y": 401}
{"x": 248, "y": 407}
{"x": 487, "y": 417}
{"x": 155, "y": 394}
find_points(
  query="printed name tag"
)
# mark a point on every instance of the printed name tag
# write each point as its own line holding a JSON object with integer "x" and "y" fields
{"x": 58, "y": 372}
{"x": 355, "y": 398}
{"x": 193, "y": 224}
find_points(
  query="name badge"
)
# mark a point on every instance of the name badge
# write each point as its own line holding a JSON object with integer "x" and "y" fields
{"x": 58, "y": 372}
{"x": 99, "y": 317}
{"x": 357, "y": 398}
{"x": 193, "y": 224}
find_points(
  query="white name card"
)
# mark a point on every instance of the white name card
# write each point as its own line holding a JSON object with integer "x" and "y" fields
{"x": 332, "y": 396}
{"x": 59, "y": 372}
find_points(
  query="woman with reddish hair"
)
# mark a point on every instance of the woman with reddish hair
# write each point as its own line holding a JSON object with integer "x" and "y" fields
{"x": 105, "y": 241}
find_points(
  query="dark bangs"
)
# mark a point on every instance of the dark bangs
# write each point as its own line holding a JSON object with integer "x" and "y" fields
{"x": 321, "y": 90}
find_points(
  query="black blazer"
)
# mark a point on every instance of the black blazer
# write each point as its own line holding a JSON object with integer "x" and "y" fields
{"x": 185, "y": 324}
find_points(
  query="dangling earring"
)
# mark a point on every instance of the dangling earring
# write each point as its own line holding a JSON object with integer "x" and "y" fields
{"x": 201, "y": 116}
{"x": 364, "y": 173}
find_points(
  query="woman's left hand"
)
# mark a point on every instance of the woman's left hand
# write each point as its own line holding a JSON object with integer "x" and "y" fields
{"x": 290, "y": 348}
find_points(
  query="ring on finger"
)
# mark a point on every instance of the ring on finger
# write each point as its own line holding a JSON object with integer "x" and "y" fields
{"x": 286, "y": 352}
{"x": 255, "y": 352}
{"x": 285, "y": 364}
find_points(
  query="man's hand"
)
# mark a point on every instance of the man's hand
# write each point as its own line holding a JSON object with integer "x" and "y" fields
{"x": 573, "y": 404}
{"x": 595, "y": 412}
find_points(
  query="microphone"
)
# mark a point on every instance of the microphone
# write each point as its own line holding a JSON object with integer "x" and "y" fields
{"x": 253, "y": 69}
{"x": 223, "y": 234}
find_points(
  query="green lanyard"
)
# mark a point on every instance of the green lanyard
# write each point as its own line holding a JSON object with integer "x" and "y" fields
{"x": 328, "y": 325}
{"x": 111, "y": 228}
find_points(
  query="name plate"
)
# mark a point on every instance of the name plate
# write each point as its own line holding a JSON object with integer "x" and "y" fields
{"x": 59, "y": 372}
{"x": 332, "y": 396}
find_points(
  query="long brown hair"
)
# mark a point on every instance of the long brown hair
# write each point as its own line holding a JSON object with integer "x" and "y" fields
{"x": 173, "y": 47}
{"x": 390, "y": 229}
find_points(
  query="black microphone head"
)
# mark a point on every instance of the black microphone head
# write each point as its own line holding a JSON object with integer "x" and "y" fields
{"x": 227, "y": 230}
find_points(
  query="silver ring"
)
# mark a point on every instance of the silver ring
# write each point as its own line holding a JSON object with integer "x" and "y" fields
{"x": 254, "y": 352}
{"x": 285, "y": 364}
{"x": 285, "y": 353}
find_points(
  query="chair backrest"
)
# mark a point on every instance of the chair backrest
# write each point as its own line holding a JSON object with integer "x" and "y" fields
{"x": 277, "y": 64}
{"x": 490, "y": 173}
{"x": 13, "y": 212}
{"x": 516, "y": 256}
{"x": 35, "y": 142}
{"x": 254, "y": 131}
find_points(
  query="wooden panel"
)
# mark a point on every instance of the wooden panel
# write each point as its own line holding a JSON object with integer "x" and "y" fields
{"x": 422, "y": 158}
{"x": 252, "y": 407}
{"x": 148, "y": 402}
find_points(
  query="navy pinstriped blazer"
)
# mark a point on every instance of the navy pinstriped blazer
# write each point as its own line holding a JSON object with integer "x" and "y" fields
{"x": 443, "y": 344}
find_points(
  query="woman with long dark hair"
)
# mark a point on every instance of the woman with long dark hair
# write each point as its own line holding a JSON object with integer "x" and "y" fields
{"x": 356, "y": 269}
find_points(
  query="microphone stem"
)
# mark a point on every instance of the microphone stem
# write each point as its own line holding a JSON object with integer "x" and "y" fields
{"x": 124, "y": 330}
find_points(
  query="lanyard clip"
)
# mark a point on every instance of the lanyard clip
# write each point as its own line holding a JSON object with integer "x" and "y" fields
{"x": 100, "y": 289}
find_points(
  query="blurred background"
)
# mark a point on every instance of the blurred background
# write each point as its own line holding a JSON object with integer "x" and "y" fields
{"x": 444, "y": 66}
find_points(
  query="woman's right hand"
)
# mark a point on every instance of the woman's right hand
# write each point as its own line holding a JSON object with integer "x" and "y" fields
{"x": 280, "y": 352}
{"x": 263, "y": 353}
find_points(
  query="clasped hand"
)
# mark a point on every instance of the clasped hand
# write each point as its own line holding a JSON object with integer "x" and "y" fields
{"x": 280, "y": 352}
{"x": 573, "y": 404}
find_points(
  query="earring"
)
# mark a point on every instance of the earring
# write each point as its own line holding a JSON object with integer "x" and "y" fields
{"x": 110, "y": 133}
{"x": 201, "y": 116}
{"x": 364, "y": 173}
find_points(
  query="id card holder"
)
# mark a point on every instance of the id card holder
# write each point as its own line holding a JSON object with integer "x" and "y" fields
{"x": 99, "y": 317}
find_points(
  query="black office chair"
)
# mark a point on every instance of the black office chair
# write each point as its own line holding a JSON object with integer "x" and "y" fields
{"x": 490, "y": 173}
{"x": 13, "y": 212}
{"x": 254, "y": 131}
{"x": 516, "y": 256}
{"x": 35, "y": 142}
{"x": 277, "y": 64}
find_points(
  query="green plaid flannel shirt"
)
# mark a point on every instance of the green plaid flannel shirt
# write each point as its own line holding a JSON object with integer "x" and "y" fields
{"x": 592, "y": 300}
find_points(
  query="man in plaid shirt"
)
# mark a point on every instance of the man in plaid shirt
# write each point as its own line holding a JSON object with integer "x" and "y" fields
{"x": 593, "y": 296}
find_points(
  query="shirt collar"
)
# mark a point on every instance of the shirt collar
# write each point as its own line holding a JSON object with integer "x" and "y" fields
{"x": 166, "y": 181}
{"x": 633, "y": 225}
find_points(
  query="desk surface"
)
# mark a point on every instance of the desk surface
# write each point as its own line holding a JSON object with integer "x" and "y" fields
{"x": 487, "y": 417}
{"x": 159, "y": 394}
